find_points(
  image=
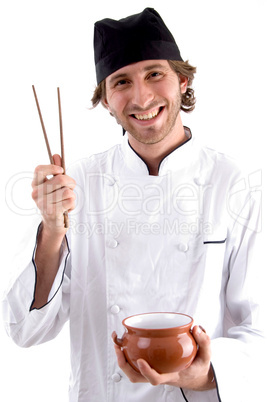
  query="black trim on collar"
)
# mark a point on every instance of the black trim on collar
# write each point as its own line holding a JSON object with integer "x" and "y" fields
{"x": 186, "y": 128}
{"x": 138, "y": 155}
{"x": 184, "y": 395}
{"x": 215, "y": 241}
{"x": 178, "y": 146}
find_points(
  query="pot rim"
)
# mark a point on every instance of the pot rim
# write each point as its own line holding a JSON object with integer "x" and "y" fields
{"x": 136, "y": 328}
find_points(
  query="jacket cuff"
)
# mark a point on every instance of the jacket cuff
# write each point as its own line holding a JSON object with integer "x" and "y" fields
{"x": 64, "y": 253}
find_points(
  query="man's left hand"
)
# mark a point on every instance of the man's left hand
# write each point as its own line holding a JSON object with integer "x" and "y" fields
{"x": 198, "y": 376}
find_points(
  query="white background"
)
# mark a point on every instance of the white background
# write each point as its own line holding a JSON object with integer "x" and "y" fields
{"x": 49, "y": 44}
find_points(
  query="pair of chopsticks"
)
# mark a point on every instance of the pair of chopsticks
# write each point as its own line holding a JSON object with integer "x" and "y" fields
{"x": 66, "y": 219}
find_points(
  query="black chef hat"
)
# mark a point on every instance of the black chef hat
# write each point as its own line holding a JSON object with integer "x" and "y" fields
{"x": 135, "y": 38}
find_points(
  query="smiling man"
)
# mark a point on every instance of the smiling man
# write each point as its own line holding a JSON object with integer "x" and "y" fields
{"x": 169, "y": 231}
{"x": 145, "y": 98}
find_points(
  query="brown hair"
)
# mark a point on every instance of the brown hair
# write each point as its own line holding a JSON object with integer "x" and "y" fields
{"x": 180, "y": 67}
{"x": 185, "y": 69}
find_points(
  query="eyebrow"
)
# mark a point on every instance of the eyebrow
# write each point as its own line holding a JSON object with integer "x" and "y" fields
{"x": 154, "y": 66}
{"x": 147, "y": 68}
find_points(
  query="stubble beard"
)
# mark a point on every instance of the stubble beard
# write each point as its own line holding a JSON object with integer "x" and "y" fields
{"x": 152, "y": 135}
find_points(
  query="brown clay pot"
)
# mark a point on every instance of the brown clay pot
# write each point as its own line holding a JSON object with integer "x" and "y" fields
{"x": 164, "y": 340}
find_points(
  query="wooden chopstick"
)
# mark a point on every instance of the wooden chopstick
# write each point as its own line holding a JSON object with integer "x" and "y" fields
{"x": 61, "y": 131}
{"x": 65, "y": 214}
{"x": 66, "y": 218}
{"x": 43, "y": 127}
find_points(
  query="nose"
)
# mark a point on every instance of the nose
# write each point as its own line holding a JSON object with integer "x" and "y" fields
{"x": 142, "y": 94}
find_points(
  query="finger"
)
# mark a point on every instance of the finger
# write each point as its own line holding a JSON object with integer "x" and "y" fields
{"x": 119, "y": 354}
{"x": 60, "y": 196}
{"x": 53, "y": 211}
{"x": 56, "y": 186}
{"x": 42, "y": 171}
{"x": 52, "y": 202}
{"x": 57, "y": 160}
{"x": 56, "y": 183}
{"x": 132, "y": 374}
{"x": 203, "y": 341}
{"x": 122, "y": 362}
{"x": 149, "y": 373}
{"x": 153, "y": 376}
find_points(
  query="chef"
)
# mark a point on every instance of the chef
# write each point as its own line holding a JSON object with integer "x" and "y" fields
{"x": 157, "y": 223}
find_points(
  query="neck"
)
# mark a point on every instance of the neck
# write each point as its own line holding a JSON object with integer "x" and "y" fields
{"x": 152, "y": 154}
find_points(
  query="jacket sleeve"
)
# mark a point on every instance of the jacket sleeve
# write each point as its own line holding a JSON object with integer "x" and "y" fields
{"x": 238, "y": 357}
{"x": 31, "y": 327}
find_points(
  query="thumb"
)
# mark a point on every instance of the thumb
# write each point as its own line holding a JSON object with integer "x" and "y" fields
{"x": 203, "y": 341}
{"x": 57, "y": 159}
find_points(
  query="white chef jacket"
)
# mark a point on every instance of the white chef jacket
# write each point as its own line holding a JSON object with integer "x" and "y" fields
{"x": 184, "y": 241}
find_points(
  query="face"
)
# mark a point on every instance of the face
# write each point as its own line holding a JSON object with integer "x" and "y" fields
{"x": 145, "y": 98}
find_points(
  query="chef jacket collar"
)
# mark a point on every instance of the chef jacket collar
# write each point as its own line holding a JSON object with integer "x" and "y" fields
{"x": 175, "y": 160}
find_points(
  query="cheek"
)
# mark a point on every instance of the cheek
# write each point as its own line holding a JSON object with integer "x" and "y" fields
{"x": 116, "y": 104}
{"x": 172, "y": 95}
{"x": 170, "y": 88}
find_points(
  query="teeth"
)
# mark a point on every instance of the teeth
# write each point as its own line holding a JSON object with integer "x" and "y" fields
{"x": 148, "y": 116}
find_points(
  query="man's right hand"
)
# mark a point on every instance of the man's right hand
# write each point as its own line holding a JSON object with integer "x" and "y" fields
{"x": 53, "y": 196}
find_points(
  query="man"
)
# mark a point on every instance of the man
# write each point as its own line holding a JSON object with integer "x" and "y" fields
{"x": 159, "y": 224}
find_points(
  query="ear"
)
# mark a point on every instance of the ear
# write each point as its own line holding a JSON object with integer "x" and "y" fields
{"x": 105, "y": 103}
{"x": 183, "y": 83}
{"x": 106, "y": 106}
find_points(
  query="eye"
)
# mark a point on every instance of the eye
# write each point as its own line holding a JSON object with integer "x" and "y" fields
{"x": 120, "y": 83}
{"x": 155, "y": 75}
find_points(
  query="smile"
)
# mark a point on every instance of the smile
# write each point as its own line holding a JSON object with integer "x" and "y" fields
{"x": 149, "y": 116}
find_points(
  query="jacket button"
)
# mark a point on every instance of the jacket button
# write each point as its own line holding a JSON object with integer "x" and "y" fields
{"x": 115, "y": 309}
{"x": 183, "y": 247}
{"x": 168, "y": 388}
{"x": 199, "y": 181}
{"x": 111, "y": 181}
{"x": 112, "y": 243}
{"x": 116, "y": 377}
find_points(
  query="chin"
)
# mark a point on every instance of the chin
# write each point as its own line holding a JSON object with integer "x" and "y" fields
{"x": 148, "y": 139}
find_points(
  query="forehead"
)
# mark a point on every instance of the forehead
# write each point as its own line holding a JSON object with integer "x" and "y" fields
{"x": 139, "y": 67}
